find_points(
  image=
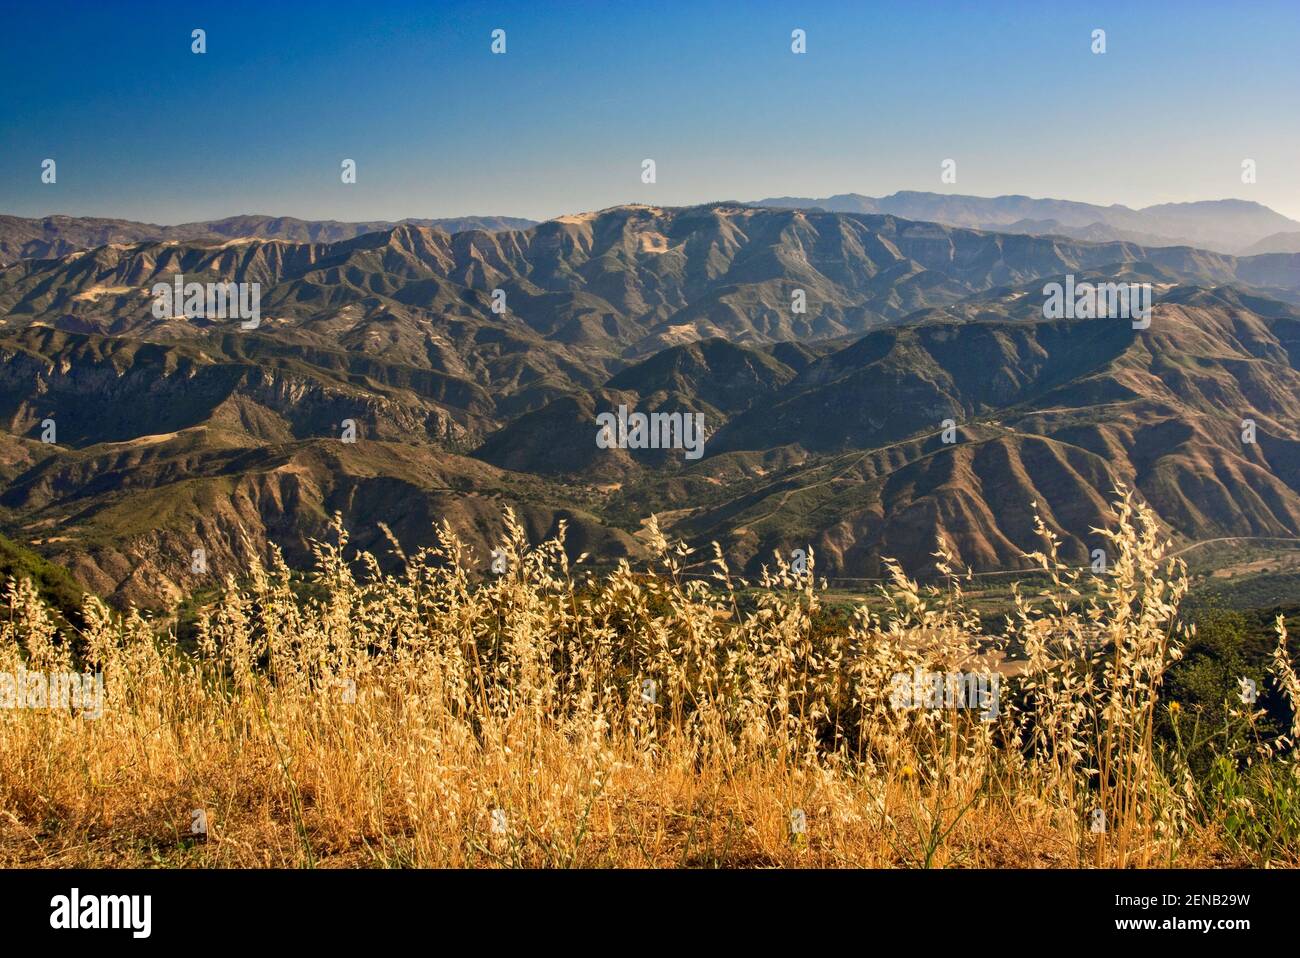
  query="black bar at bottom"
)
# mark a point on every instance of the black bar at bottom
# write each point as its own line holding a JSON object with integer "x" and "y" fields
{"x": 334, "y": 908}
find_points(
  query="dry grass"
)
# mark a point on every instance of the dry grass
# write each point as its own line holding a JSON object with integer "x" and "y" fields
{"x": 382, "y": 720}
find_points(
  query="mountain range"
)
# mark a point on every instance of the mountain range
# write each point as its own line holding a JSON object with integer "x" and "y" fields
{"x": 828, "y": 425}
{"x": 1229, "y": 226}
{"x": 54, "y": 236}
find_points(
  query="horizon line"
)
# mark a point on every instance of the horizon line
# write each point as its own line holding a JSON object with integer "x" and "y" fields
{"x": 632, "y": 203}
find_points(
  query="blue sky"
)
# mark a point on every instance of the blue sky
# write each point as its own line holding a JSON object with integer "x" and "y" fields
{"x": 439, "y": 126}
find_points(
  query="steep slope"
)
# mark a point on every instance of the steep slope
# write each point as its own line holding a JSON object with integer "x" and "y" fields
{"x": 719, "y": 374}
{"x": 1053, "y": 413}
{"x": 126, "y": 517}
{"x": 99, "y": 389}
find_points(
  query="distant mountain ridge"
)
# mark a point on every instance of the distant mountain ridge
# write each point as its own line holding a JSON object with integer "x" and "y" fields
{"x": 53, "y": 236}
{"x": 1227, "y": 226}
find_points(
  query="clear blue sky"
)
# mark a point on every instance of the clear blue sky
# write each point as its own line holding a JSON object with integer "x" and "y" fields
{"x": 142, "y": 128}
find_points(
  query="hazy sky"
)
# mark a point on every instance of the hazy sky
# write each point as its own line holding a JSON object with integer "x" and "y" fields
{"x": 142, "y": 128}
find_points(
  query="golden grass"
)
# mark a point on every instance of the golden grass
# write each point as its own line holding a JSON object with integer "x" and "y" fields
{"x": 384, "y": 719}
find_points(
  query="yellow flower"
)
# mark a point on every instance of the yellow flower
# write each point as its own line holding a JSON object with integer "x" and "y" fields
{"x": 907, "y": 771}
{"x": 1175, "y": 708}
